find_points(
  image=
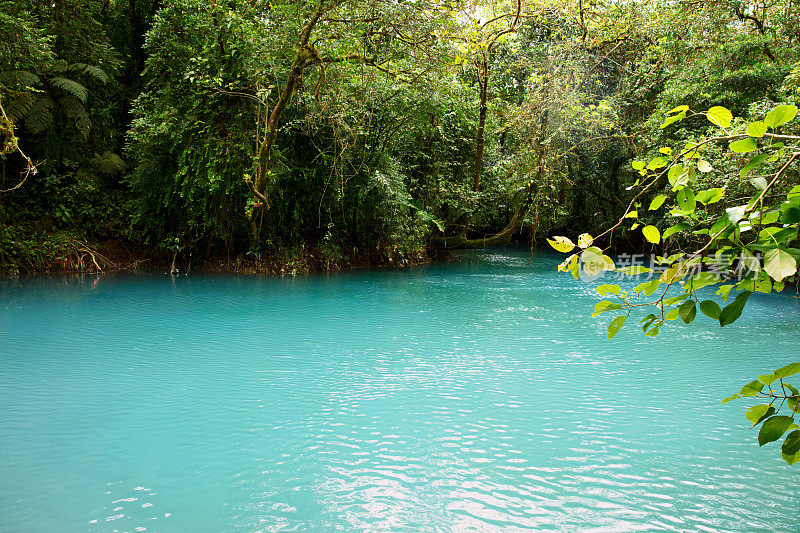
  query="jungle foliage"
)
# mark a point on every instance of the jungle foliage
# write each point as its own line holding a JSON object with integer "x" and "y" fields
{"x": 385, "y": 130}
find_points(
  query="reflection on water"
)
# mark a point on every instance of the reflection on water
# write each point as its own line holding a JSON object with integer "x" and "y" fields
{"x": 472, "y": 396}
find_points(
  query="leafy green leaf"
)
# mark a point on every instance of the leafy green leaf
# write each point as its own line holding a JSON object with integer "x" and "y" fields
{"x": 780, "y": 115}
{"x": 604, "y": 306}
{"x": 615, "y": 326}
{"x": 686, "y": 201}
{"x": 768, "y": 379}
{"x": 649, "y": 287}
{"x": 657, "y": 202}
{"x": 743, "y": 145}
{"x": 72, "y": 87}
{"x": 733, "y": 310}
{"x": 672, "y": 119}
{"x": 687, "y": 311}
{"x": 710, "y": 308}
{"x": 791, "y": 447}
{"x": 679, "y": 109}
{"x": 675, "y": 173}
{"x": 607, "y": 288}
{"x": 751, "y": 389}
{"x": 756, "y": 129}
{"x": 562, "y": 244}
{"x": 774, "y": 428}
{"x": 704, "y": 166}
{"x": 646, "y": 321}
{"x": 675, "y": 229}
{"x": 757, "y": 413}
{"x": 719, "y": 116}
{"x": 753, "y": 163}
{"x": 638, "y": 165}
{"x": 652, "y": 234}
{"x": 788, "y": 370}
{"x": 658, "y": 162}
{"x": 779, "y": 264}
{"x": 723, "y": 291}
{"x": 710, "y": 196}
{"x": 790, "y": 214}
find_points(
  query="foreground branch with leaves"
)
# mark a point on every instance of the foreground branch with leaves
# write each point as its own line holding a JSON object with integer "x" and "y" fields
{"x": 736, "y": 245}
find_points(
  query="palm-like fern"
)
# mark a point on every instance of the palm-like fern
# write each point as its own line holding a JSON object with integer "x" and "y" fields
{"x": 37, "y": 106}
{"x": 108, "y": 163}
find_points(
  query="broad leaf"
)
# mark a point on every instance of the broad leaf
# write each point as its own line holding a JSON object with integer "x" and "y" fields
{"x": 756, "y": 129}
{"x": 757, "y": 413}
{"x": 615, "y": 326}
{"x": 704, "y": 166}
{"x": 652, "y": 234}
{"x": 686, "y": 201}
{"x": 719, "y": 116}
{"x": 780, "y": 115}
{"x": 710, "y": 308}
{"x": 604, "y": 306}
{"x": 675, "y": 229}
{"x": 790, "y": 451}
{"x": 562, "y": 244}
{"x": 774, "y": 428}
{"x": 779, "y": 264}
{"x": 733, "y": 310}
{"x": 790, "y": 214}
{"x": 672, "y": 119}
{"x": 788, "y": 370}
{"x": 607, "y": 288}
{"x": 753, "y": 163}
{"x": 687, "y": 311}
{"x": 743, "y": 145}
{"x": 710, "y": 196}
{"x": 657, "y": 202}
{"x": 768, "y": 379}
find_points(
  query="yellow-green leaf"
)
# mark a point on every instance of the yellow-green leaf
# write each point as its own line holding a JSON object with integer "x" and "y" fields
{"x": 615, "y": 326}
{"x": 756, "y": 129}
{"x": 562, "y": 244}
{"x": 779, "y": 264}
{"x": 652, "y": 234}
{"x": 780, "y": 115}
{"x": 719, "y": 116}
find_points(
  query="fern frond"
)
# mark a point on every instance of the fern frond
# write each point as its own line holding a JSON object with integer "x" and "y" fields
{"x": 18, "y": 80}
{"x": 91, "y": 70}
{"x": 72, "y": 87}
{"x": 109, "y": 163}
{"x": 40, "y": 117}
{"x": 75, "y": 110}
{"x": 19, "y": 107}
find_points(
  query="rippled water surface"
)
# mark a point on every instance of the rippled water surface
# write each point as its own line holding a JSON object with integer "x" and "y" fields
{"x": 469, "y": 396}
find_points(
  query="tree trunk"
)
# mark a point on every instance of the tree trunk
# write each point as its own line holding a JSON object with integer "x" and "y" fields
{"x": 302, "y": 59}
{"x": 483, "y": 86}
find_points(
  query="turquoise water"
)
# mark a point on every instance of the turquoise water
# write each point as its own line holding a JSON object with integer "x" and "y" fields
{"x": 470, "y": 396}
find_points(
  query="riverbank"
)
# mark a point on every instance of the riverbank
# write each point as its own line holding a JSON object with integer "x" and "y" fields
{"x": 64, "y": 253}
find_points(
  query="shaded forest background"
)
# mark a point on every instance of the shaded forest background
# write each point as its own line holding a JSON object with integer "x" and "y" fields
{"x": 296, "y": 135}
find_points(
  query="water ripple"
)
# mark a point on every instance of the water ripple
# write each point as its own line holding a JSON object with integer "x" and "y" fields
{"x": 467, "y": 397}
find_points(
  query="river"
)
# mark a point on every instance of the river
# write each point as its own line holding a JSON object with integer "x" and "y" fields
{"x": 474, "y": 395}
